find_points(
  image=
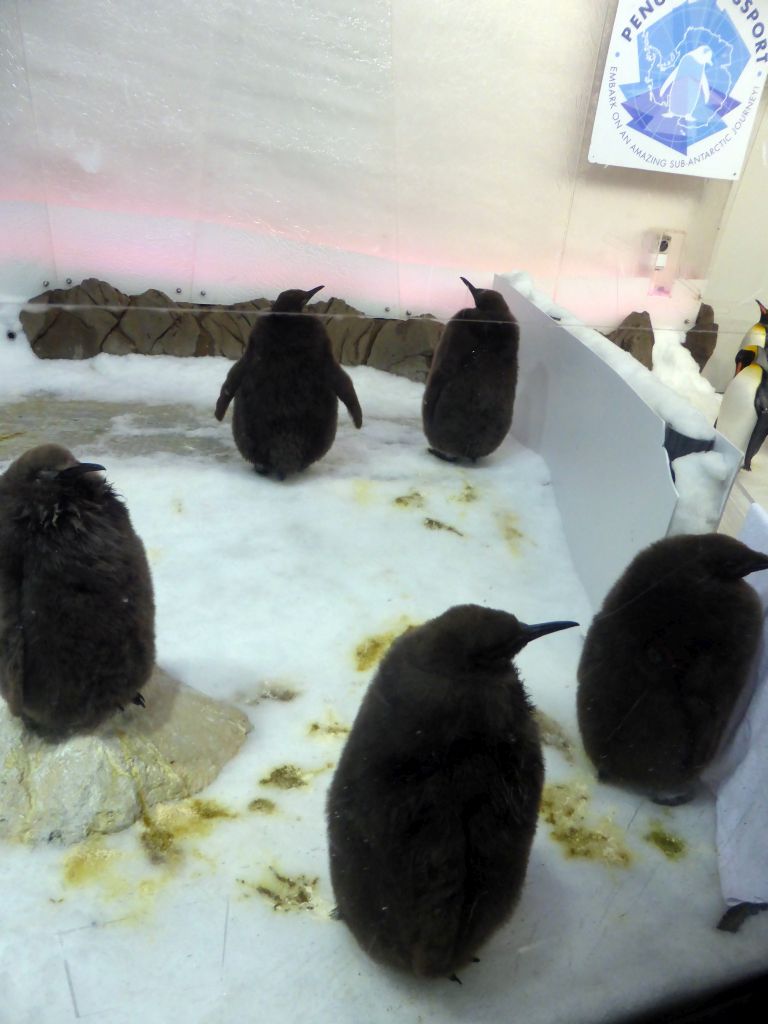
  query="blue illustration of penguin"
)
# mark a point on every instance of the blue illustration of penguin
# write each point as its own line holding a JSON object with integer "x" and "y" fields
{"x": 687, "y": 83}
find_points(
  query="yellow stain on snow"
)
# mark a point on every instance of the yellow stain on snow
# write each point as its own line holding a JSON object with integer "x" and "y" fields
{"x": 372, "y": 649}
{"x": 363, "y": 491}
{"x": 168, "y": 823}
{"x": 466, "y": 496}
{"x": 92, "y": 862}
{"x": 290, "y": 776}
{"x": 554, "y": 735}
{"x": 509, "y": 527}
{"x": 286, "y": 893}
{"x": 330, "y": 727}
{"x": 438, "y": 524}
{"x": 112, "y": 874}
{"x": 564, "y": 807}
{"x": 262, "y": 806}
{"x": 672, "y": 846}
{"x": 414, "y": 499}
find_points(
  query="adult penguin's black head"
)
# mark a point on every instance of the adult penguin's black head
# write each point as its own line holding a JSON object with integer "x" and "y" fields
{"x": 487, "y": 300}
{"x": 294, "y": 300}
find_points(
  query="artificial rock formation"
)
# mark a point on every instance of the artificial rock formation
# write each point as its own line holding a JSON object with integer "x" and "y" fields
{"x": 702, "y": 337}
{"x": 635, "y": 335}
{"x": 94, "y": 317}
{"x": 102, "y": 781}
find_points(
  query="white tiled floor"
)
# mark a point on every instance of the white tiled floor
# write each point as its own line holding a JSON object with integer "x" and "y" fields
{"x": 748, "y": 487}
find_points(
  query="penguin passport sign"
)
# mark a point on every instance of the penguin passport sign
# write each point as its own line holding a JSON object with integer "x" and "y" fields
{"x": 681, "y": 86}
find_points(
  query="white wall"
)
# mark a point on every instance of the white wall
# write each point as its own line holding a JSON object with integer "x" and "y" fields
{"x": 381, "y": 148}
{"x": 739, "y": 270}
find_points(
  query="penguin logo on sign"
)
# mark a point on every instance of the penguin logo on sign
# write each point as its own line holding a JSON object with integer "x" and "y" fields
{"x": 687, "y": 84}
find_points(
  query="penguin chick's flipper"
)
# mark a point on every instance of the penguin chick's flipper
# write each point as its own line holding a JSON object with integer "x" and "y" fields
{"x": 759, "y": 434}
{"x": 345, "y": 392}
{"x": 734, "y": 917}
{"x": 139, "y": 699}
{"x": 229, "y": 389}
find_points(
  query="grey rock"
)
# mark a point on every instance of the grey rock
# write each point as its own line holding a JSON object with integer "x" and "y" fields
{"x": 117, "y": 344}
{"x": 94, "y": 317}
{"x": 147, "y": 319}
{"x": 72, "y": 336}
{"x": 405, "y": 347}
{"x": 181, "y": 338}
{"x": 635, "y": 335}
{"x": 102, "y": 781}
{"x": 702, "y": 337}
{"x": 348, "y": 329}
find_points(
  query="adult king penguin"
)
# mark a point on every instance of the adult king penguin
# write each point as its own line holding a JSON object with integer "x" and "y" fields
{"x": 665, "y": 661}
{"x": 77, "y": 634}
{"x": 286, "y": 386}
{"x": 470, "y": 390}
{"x": 743, "y": 415}
{"x": 433, "y": 806}
{"x": 756, "y": 333}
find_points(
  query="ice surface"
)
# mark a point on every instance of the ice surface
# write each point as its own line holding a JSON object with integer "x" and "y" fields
{"x": 267, "y": 591}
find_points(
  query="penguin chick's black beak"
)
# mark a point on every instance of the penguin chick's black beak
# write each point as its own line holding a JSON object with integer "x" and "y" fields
{"x": 542, "y": 629}
{"x": 313, "y": 291}
{"x": 71, "y": 472}
{"x": 471, "y": 288}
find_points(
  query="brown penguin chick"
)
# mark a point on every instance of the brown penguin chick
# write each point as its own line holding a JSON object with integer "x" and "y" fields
{"x": 470, "y": 390}
{"x": 286, "y": 388}
{"x": 433, "y": 806}
{"x": 665, "y": 660}
{"x": 77, "y": 614}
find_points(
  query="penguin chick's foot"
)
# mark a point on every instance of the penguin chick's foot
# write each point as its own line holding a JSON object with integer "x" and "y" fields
{"x": 335, "y": 915}
{"x": 673, "y": 799}
{"x": 442, "y": 455}
{"x": 139, "y": 699}
{"x": 734, "y": 917}
{"x": 456, "y": 978}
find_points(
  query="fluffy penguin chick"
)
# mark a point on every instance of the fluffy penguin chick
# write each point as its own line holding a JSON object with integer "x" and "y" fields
{"x": 665, "y": 660}
{"x": 432, "y": 809}
{"x": 470, "y": 390}
{"x": 286, "y": 387}
{"x": 77, "y": 614}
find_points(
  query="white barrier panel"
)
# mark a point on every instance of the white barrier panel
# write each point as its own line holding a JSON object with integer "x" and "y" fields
{"x": 602, "y": 443}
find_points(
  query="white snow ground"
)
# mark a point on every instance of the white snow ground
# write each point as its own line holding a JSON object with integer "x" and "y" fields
{"x": 263, "y": 586}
